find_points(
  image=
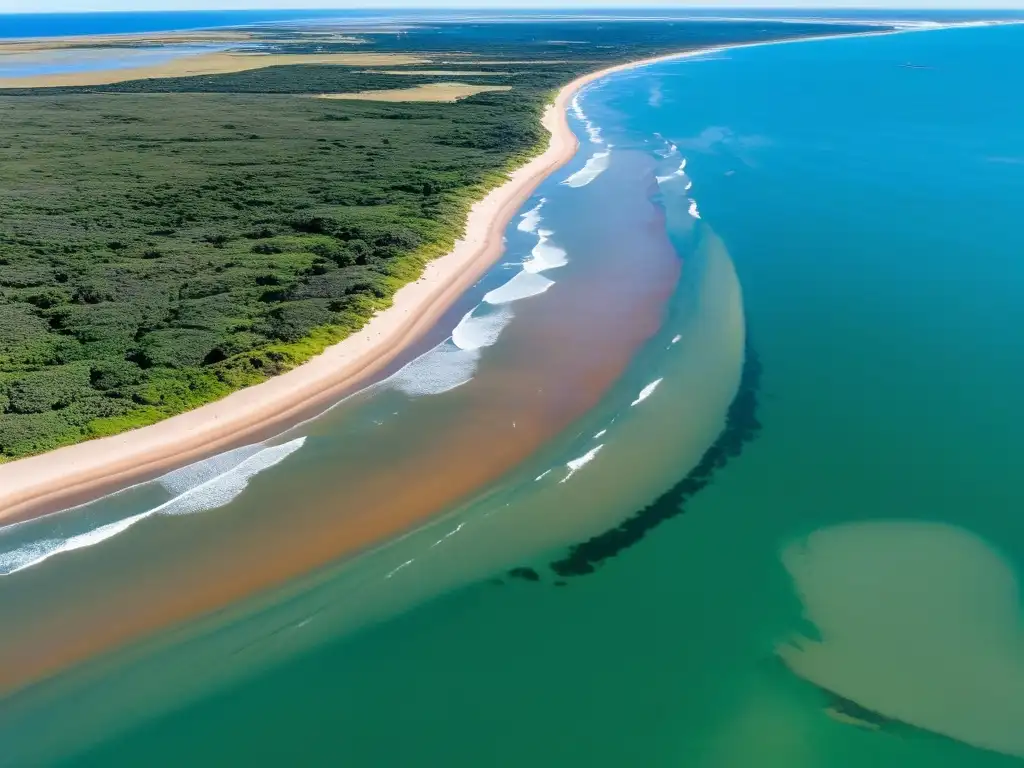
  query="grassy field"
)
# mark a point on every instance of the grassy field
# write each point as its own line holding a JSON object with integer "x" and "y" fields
{"x": 165, "y": 242}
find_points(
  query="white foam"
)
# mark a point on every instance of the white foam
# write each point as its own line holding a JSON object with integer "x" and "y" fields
{"x": 544, "y": 255}
{"x": 601, "y": 434}
{"x": 688, "y": 187}
{"x": 521, "y": 286}
{"x": 406, "y": 564}
{"x": 577, "y": 108}
{"x": 448, "y": 535}
{"x": 646, "y": 392}
{"x": 676, "y": 339}
{"x": 541, "y": 476}
{"x": 476, "y": 331}
{"x": 438, "y": 370}
{"x": 668, "y": 152}
{"x": 576, "y": 464}
{"x": 693, "y": 209}
{"x": 530, "y": 220}
{"x": 596, "y": 165}
{"x": 225, "y": 488}
{"x": 212, "y": 493}
{"x": 187, "y": 478}
{"x": 593, "y": 132}
{"x": 679, "y": 173}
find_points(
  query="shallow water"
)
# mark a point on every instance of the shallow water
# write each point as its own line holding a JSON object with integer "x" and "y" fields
{"x": 59, "y": 62}
{"x": 842, "y": 344}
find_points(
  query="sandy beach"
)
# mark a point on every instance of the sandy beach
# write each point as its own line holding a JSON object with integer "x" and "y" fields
{"x": 41, "y": 484}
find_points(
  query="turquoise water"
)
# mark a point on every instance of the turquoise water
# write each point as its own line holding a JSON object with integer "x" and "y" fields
{"x": 858, "y": 247}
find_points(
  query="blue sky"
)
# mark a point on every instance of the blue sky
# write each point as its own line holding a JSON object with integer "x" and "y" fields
{"x": 12, "y": 6}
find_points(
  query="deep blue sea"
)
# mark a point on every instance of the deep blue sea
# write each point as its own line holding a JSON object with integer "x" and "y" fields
{"x": 838, "y": 586}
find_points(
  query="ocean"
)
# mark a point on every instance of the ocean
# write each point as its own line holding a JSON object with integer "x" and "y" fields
{"x": 726, "y": 447}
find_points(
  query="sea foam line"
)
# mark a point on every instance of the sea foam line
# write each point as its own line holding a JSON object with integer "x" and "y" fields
{"x": 577, "y": 464}
{"x": 646, "y": 392}
{"x": 593, "y": 132}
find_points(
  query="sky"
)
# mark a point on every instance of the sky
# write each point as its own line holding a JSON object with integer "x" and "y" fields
{"x": 38, "y": 6}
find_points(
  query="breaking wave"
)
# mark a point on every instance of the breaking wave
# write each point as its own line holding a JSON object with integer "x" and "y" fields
{"x": 646, "y": 392}
{"x": 544, "y": 255}
{"x": 593, "y": 132}
{"x": 523, "y": 285}
{"x": 453, "y": 362}
{"x": 476, "y": 331}
{"x": 596, "y": 165}
{"x": 679, "y": 173}
{"x": 439, "y": 370}
{"x": 226, "y": 476}
{"x": 577, "y": 464}
{"x": 530, "y": 220}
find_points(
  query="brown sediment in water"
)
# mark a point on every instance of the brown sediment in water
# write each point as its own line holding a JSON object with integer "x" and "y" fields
{"x": 558, "y": 359}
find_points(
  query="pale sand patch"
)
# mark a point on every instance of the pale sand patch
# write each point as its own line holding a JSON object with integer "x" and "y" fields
{"x": 439, "y": 72}
{"x": 448, "y": 92}
{"x": 511, "y": 61}
{"x": 918, "y": 622}
{"x": 206, "y": 64}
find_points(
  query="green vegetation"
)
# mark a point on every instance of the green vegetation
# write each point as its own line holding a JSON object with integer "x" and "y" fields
{"x": 166, "y": 242}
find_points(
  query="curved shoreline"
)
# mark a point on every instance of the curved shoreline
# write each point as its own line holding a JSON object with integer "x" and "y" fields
{"x": 42, "y": 484}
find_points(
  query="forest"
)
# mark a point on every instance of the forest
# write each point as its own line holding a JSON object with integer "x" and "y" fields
{"x": 166, "y": 242}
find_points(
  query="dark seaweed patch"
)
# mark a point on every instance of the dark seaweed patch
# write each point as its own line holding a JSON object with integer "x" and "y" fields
{"x": 526, "y": 574}
{"x": 741, "y": 427}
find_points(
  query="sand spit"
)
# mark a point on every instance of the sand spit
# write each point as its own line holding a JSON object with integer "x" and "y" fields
{"x": 447, "y": 92}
